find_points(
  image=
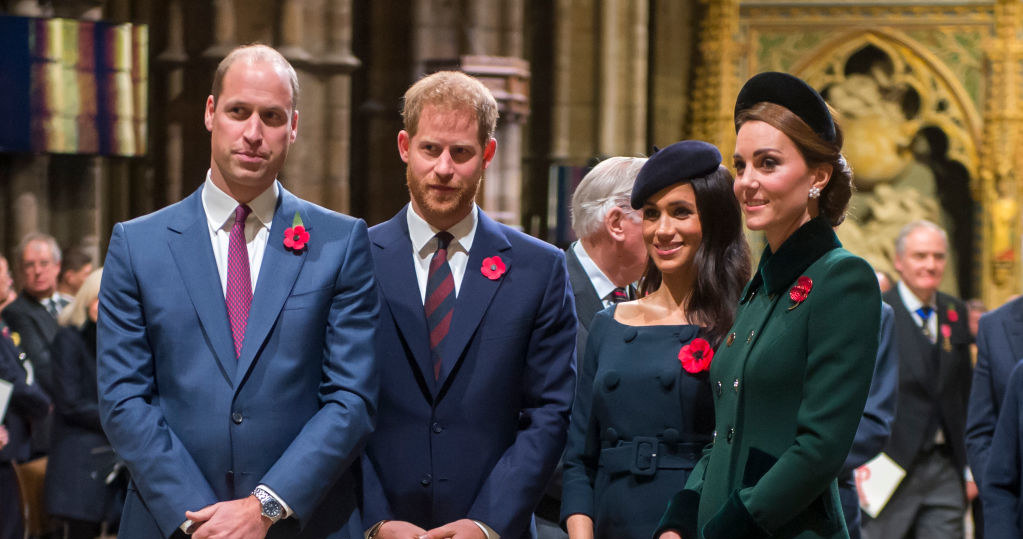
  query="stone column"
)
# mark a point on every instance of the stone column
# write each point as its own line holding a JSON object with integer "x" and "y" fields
{"x": 1000, "y": 190}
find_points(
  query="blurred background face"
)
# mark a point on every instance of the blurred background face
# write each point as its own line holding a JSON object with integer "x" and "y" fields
{"x": 6, "y": 282}
{"x": 671, "y": 228}
{"x": 39, "y": 270}
{"x": 921, "y": 265}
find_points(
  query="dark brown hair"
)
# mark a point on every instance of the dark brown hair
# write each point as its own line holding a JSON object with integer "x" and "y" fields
{"x": 722, "y": 260}
{"x": 816, "y": 151}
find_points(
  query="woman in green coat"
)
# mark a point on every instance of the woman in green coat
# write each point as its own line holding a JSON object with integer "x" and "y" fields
{"x": 792, "y": 376}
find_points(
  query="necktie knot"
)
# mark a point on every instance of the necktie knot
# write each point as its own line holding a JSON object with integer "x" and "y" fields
{"x": 618, "y": 295}
{"x": 444, "y": 240}
{"x": 241, "y": 213}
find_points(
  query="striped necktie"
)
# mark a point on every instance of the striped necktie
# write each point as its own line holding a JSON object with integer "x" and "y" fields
{"x": 618, "y": 295}
{"x": 239, "y": 280}
{"x": 440, "y": 298}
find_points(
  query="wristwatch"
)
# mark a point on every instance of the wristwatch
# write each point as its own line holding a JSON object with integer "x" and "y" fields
{"x": 272, "y": 508}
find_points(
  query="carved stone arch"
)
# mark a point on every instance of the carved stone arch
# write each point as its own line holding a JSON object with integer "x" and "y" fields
{"x": 945, "y": 103}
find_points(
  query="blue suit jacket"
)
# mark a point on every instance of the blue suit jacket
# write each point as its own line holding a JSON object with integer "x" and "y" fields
{"x": 876, "y": 424}
{"x": 1003, "y": 518}
{"x": 481, "y": 441}
{"x": 999, "y": 348}
{"x": 197, "y": 426}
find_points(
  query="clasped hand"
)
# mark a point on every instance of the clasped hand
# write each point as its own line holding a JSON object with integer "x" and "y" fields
{"x": 459, "y": 529}
{"x": 236, "y": 519}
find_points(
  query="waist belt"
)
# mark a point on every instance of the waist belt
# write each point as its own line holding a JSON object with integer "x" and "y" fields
{"x": 644, "y": 455}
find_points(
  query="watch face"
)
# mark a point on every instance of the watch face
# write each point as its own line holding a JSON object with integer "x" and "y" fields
{"x": 272, "y": 509}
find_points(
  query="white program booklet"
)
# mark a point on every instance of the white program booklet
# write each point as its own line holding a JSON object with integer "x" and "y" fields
{"x": 876, "y": 481}
{"x": 6, "y": 390}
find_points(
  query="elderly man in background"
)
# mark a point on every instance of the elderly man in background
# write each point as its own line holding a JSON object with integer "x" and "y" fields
{"x": 927, "y": 439}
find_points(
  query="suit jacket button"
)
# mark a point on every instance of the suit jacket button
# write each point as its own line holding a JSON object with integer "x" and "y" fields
{"x": 426, "y": 480}
{"x": 437, "y": 428}
{"x": 237, "y": 418}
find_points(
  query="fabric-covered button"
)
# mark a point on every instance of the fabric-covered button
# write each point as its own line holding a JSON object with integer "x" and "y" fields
{"x": 630, "y": 334}
{"x": 611, "y": 380}
{"x": 610, "y": 435}
{"x": 667, "y": 378}
{"x": 670, "y": 436}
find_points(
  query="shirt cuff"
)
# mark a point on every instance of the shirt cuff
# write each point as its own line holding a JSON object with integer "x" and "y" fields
{"x": 287, "y": 510}
{"x": 491, "y": 534}
{"x": 967, "y": 474}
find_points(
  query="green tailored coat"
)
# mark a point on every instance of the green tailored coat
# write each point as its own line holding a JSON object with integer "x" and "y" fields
{"x": 789, "y": 382}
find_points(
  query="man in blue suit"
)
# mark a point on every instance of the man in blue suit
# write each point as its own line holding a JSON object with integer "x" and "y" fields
{"x": 476, "y": 339}
{"x": 999, "y": 348}
{"x": 236, "y": 330}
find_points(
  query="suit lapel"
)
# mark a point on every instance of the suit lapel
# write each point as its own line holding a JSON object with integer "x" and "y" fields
{"x": 476, "y": 292}
{"x": 277, "y": 276}
{"x": 1014, "y": 331}
{"x": 914, "y": 355}
{"x": 190, "y": 245}
{"x": 397, "y": 278}
{"x": 587, "y": 303}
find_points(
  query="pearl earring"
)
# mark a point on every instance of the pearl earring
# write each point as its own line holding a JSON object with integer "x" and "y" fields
{"x": 815, "y": 192}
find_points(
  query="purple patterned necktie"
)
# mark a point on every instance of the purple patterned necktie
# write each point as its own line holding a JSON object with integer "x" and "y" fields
{"x": 440, "y": 298}
{"x": 239, "y": 280}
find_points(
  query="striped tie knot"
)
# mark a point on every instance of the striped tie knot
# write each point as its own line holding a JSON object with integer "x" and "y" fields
{"x": 440, "y": 298}
{"x": 618, "y": 295}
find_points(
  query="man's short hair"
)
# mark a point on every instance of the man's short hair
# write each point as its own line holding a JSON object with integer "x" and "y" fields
{"x": 253, "y": 54}
{"x": 50, "y": 241}
{"x": 74, "y": 259}
{"x": 605, "y": 186}
{"x": 900, "y": 240}
{"x": 452, "y": 90}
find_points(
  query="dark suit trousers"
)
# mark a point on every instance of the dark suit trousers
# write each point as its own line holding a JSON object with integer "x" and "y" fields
{"x": 11, "y": 526}
{"x": 929, "y": 504}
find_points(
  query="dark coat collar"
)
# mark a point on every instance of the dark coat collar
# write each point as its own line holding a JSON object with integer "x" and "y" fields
{"x": 778, "y": 270}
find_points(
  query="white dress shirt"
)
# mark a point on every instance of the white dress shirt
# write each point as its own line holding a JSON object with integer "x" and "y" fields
{"x": 424, "y": 244}
{"x": 219, "y": 208}
{"x": 913, "y": 303}
{"x": 601, "y": 284}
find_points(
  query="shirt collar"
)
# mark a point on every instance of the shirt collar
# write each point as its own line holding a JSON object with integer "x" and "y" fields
{"x": 601, "y": 284}
{"x": 421, "y": 232}
{"x": 910, "y": 300}
{"x": 219, "y": 206}
{"x": 807, "y": 244}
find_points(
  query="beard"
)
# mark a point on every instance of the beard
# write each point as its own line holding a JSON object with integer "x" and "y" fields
{"x": 441, "y": 209}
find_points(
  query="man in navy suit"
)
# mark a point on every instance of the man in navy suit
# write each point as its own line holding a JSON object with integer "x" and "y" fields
{"x": 999, "y": 348}
{"x": 476, "y": 339}
{"x": 236, "y": 330}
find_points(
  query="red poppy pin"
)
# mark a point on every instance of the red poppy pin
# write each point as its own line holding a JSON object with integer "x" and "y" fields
{"x": 493, "y": 268}
{"x": 953, "y": 316}
{"x": 800, "y": 291}
{"x": 696, "y": 356}
{"x": 296, "y": 237}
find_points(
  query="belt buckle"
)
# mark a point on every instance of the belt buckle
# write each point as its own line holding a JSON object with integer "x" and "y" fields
{"x": 645, "y": 461}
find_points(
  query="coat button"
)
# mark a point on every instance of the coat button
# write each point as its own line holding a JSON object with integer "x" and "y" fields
{"x": 714, "y": 436}
{"x": 731, "y": 339}
{"x": 731, "y": 434}
{"x": 426, "y": 480}
{"x": 237, "y": 418}
{"x": 750, "y": 338}
{"x": 630, "y": 334}
{"x": 735, "y": 385}
{"x": 437, "y": 428}
{"x": 718, "y": 388}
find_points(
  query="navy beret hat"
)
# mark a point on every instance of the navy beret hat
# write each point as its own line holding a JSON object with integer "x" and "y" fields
{"x": 792, "y": 93}
{"x": 677, "y": 163}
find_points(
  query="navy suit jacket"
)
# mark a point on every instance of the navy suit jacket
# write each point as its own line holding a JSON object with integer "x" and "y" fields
{"x": 481, "y": 441}
{"x": 999, "y": 348}
{"x": 1001, "y": 496}
{"x": 197, "y": 426}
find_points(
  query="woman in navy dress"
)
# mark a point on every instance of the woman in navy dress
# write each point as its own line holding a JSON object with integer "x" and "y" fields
{"x": 643, "y": 409}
